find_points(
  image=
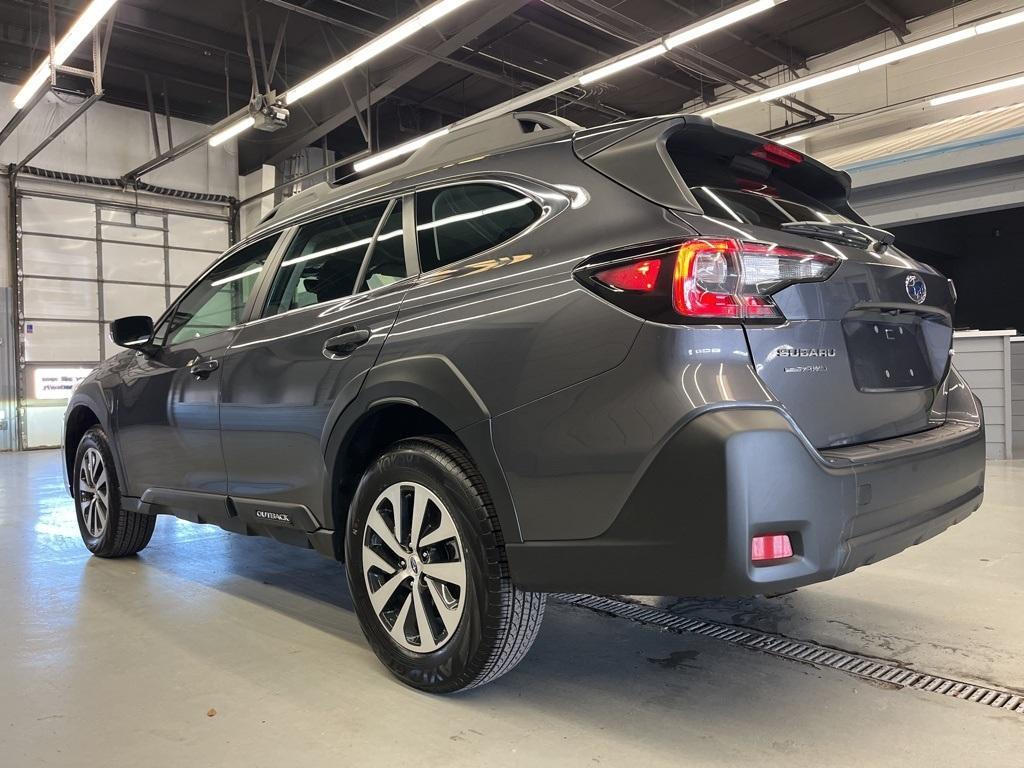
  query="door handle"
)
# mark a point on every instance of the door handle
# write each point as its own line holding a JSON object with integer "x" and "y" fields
{"x": 346, "y": 343}
{"x": 202, "y": 369}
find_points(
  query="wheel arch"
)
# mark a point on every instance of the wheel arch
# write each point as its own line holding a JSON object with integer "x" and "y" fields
{"x": 410, "y": 397}
{"x": 80, "y": 419}
{"x": 88, "y": 408}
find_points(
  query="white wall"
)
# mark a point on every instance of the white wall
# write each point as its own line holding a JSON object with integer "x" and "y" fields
{"x": 260, "y": 180}
{"x": 109, "y": 140}
{"x": 960, "y": 65}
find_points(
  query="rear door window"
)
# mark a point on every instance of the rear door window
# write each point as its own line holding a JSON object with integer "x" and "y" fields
{"x": 459, "y": 221}
{"x": 324, "y": 259}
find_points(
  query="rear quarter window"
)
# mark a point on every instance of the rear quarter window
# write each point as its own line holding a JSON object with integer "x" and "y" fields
{"x": 462, "y": 220}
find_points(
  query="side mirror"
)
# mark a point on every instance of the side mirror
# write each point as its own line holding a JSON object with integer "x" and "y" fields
{"x": 133, "y": 332}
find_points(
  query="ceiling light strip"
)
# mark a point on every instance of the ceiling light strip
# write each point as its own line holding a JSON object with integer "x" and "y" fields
{"x": 718, "y": 21}
{"x": 980, "y": 90}
{"x": 374, "y": 48}
{"x": 62, "y": 51}
{"x": 625, "y": 63}
{"x": 232, "y": 130}
{"x": 612, "y": 66}
{"x": 896, "y": 54}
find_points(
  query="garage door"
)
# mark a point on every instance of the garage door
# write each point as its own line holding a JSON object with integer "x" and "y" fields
{"x": 81, "y": 263}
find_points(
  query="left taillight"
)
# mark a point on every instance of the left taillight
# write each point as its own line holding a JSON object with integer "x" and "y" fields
{"x": 704, "y": 279}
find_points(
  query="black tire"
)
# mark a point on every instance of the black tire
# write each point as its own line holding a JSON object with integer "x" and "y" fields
{"x": 499, "y": 621}
{"x": 122, "y": 533}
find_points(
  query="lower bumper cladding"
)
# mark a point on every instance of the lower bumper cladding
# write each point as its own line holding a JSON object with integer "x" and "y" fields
{"x": 753, "y": 491}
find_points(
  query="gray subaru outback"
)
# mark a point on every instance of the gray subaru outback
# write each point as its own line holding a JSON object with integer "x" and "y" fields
{"x": 655, "y": 357}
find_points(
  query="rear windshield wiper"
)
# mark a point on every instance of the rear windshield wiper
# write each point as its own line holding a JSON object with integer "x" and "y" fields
{"x": 855, "y": 235}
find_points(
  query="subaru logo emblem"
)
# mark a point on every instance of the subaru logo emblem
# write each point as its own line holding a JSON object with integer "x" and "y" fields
{"x": 916, "y": 289}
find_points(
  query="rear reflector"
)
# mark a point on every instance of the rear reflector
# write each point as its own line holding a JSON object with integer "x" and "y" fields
{"x": 638, "y": 276}
{"x": 774, "y": 546}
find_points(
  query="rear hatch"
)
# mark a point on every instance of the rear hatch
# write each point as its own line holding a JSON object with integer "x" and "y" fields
{"x": 859, "y": 356}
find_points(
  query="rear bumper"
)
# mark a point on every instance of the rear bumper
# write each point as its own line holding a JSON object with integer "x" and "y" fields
{"x": 734, "y": 472}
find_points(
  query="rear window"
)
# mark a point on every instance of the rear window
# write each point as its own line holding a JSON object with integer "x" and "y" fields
{"x": 759, "y": 208}
{"x": 744, "y": 179}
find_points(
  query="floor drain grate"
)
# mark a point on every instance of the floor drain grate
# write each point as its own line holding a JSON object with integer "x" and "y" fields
{"x": 799, "y": 650}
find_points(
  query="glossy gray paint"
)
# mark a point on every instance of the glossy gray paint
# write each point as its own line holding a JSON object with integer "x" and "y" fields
{"x": 578, "y": 415}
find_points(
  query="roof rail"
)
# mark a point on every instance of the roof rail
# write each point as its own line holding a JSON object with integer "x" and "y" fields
{"x": 497, "y": 134}
{"x": 500, "y": 133}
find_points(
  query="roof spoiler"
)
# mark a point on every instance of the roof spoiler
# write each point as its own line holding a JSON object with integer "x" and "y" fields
{"x": 637, "y": 155}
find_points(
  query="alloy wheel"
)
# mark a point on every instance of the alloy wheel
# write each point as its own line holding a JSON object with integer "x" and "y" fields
{"x": 94, "y": 493}
{"x": 413, "y": 567}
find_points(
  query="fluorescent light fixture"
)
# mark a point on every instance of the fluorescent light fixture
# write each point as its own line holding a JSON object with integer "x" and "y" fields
{"x": 374, "y": 48}
{"x": 970, "y": 93}
{"x": 693, "y": 32}
{"x": 730, "y": 105}
{"x": 1002, "y": 21}
{"x": 232, "y": 130}
{"x": 625, "y": 63}
{"x": 896, "y": 54}
{"x": 701, "y": 28}
{"x": 62, "y": 51}
{"x": 905, "y": 51}
{"x": 719, "y": 21}
{"x": 804, "y": 83}
{"x": 797, "y": 137}
{"x": 402, "y": 149}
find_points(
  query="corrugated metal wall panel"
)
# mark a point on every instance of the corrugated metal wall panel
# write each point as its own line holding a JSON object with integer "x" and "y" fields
{"x": 1017, "y": 393}
{"x": 984, "y": 360}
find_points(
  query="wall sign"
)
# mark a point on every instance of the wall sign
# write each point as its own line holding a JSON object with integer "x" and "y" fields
{"x": 56, "y": 383}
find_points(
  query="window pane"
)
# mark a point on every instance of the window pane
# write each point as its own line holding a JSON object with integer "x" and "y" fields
{"x": 323, "y": 261}
{"x": 387, "y": 262}
{"x": 217, "y": 302}
{"x": 460, "y": 221}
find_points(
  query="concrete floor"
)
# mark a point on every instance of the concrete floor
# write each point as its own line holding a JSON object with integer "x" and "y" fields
{"x": 117, "y": 663}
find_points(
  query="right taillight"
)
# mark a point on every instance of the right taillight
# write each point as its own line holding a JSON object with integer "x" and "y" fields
{"x": 708, "y": 279}
{"x": 735, "y": 278}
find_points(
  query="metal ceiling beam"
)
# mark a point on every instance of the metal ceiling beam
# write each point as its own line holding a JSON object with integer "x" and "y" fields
{"x": 706, "y": 65}
{"x": 151, "y": 23}
{"x": 154, "y": 25}
{"x": 896, "y": 22}
{"x": 495, "y": 12}
{"x": 192, "y": 78}
{"x": 768, "y": 45}
{"x": 356, "y": 29}
{"x": 570, "y": 34}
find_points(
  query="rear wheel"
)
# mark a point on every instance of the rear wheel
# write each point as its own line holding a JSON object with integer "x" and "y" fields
{"x": 107, "y": 529}
{"x": 428, "y": 572}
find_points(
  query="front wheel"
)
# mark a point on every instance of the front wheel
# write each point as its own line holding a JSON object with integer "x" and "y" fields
{"x": 428, "y": 572}
{"x": 107, "y": 529}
